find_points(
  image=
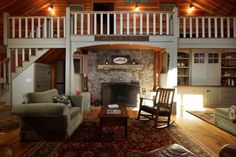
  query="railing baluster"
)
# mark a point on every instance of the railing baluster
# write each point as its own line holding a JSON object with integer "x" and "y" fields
{"x": 215, "y": 27}
{"x": 209, "y": 27}
{"x": 32, "y": 27}
{"x": 147, "y": 26}
{"x": 45, "y": 28}
{"x": 30, "y": 52}
{"x": 127, "y": 23}
{"x": 23, "y": 55}
{"x": 64, "y": 27}
{"x": 13, "y": 27}
{"x": 108, "y": 23}
{"x": 75, "y": 24}
{"x": 234, "y": 26}
{"x": 16, "y": 57}
{"x": 134, "y": 27}
{"x": 26, "y": 27}
{"x": 161, "y": 24}
{"x": 51, "y": 30}
{"x": 203, "y": 27}
{"x": 154, "y": 23}
{"x": 82, "y": 24}
{"x": 19, "y": 27}
{"x": 222, "y": 27}
{"x": 197, "y": 31}
{"x": 190, "y": 27}
{"x": 184, "y": 27}
{"x": 228, "y": 27}
{"x": 167, "y": 24}
{"x": 121, "y": 23}
{"x": 101, "y": 23}
{"x": 58, "y": 27}
{"x": 39, "y": 29}
{"x": 114, "y": 23}
{"x": 88, "y": 23}
{"x": 95, "y": 24}
{"x": 141, "y": 23}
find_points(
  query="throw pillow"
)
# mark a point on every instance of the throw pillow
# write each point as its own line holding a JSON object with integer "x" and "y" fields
{"x": 61, "y": 99}
{"x": 232, "y": 113}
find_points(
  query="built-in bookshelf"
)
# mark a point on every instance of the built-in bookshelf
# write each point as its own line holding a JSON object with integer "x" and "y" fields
{"x": 228, "y": 69}
{"x": 183, "y": 68}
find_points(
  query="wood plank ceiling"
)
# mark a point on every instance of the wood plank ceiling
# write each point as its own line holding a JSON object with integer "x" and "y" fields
{"x": 39, "y": 7}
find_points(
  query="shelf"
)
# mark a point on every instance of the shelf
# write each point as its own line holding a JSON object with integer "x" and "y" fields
{"x": 120, "y": 67}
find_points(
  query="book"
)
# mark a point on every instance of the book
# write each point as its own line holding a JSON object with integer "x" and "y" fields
{"x": 113, "y": 106}
{"x": 113, "y": 111}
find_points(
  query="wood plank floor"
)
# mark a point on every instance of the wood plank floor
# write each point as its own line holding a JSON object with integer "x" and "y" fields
{"x": 205, "y": 133}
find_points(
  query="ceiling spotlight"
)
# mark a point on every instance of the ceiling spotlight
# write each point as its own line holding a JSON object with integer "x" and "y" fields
{"x": 136, "y": 8}
{"x": 50, "y": 8}
{"x": 192, "y": 7}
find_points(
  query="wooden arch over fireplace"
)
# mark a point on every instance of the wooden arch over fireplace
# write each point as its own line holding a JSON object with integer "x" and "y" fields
{"x": 158, "y": 60}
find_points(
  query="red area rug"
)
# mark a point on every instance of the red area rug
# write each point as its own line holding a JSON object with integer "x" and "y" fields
{"x": 141, "y": 138}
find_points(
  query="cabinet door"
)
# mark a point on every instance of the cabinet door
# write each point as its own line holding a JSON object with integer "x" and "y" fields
{"x": 213, "y": 97}
{"x": 205, "y": 69}
{"x": 199, "y": 69}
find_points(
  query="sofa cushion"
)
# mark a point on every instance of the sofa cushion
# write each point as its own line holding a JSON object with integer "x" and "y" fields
{"x": 74, "y": 111}
{"x": 42, "y": 97}
{"x": 222, "y": 112}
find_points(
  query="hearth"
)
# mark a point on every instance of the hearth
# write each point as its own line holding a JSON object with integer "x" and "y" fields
{"x": 124, "y": 93}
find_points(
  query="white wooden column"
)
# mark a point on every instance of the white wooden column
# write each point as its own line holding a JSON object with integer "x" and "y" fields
{"x": 16, "y": 57}
{"x": 95, "y": 24}
{"x": 209, "y": 27}
{"x": 215, "y": 27}
{"x": 26, "y": 27}
{"x": 203, "y": 27}
{"x": 19, "y": 28}
{"x": 161, "y": 31}
{"x": 154, "y": 23}
{"x": 88, "y": 23}
{"x": 58, "y": 27}
{"x": 197, "y": 31}
{"x": 141, "y": 23}
{"x": 134, "y": 24}
{"x": 121, "y": 23}
{"x": 82, "y": 24}
{"x": 75, "y": 24}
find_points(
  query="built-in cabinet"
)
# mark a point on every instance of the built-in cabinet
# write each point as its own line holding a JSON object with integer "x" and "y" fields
{"x": 195, "y": 97}
{"x": 183, "y": 65}
{"x": 228, "y": 69}
{"x": 214, "y": 68}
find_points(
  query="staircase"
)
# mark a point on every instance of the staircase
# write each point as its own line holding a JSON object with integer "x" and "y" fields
{"x": 12, "y": 67}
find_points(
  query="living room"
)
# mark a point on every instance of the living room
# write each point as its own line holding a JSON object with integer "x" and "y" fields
{"x": 87, "y": 48}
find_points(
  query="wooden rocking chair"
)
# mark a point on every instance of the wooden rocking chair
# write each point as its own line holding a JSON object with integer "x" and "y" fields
{"x": 162, "y": 107}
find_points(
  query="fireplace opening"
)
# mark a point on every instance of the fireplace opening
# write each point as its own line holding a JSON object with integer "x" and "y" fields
{"x": 123, "y": 93}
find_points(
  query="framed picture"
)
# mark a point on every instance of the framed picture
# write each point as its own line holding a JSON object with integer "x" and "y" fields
{"x": 120, "y": 59}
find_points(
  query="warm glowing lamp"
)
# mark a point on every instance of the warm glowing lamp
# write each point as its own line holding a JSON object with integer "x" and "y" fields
{"x": 50, "y": 8}
{"x": 136, "y": 7}
{"x": 192, "y": 7}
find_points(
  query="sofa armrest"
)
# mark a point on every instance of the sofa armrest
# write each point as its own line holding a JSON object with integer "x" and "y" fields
{"x": 40, "y": 109}
{"x": 77, "y": 101}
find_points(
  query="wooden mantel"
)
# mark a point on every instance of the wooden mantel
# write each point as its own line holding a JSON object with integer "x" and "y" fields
{"x": 131, "y": 67}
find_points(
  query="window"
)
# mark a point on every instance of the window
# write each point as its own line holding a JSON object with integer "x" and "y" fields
{"x": 199, "y": 58}
{"x": 213, "y": 57}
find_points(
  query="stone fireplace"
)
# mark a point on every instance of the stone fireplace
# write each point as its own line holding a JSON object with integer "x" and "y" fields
{"x": 99, "y": 74}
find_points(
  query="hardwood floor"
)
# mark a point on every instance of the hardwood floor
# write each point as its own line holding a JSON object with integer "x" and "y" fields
{"x": 206, "y": 134}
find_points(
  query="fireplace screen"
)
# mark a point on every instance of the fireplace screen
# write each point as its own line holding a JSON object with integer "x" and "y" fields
{"x": 123, "y": 93}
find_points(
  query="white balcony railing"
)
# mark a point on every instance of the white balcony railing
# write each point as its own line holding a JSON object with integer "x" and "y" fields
{"x": 207, "y": 27}
{"x": 122, "y": 23}
{"x": 37, "y": 27}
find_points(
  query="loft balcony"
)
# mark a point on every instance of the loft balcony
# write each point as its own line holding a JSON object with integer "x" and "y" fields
{"x": 119, "y": 26}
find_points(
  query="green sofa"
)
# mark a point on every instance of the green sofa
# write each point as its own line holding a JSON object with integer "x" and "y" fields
{"x": 222, "y": 120}
{"x": 41, "y": 119}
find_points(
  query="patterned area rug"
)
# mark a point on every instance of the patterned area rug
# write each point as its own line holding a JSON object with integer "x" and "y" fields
{"x": 208, "y": 115}
{"x": 8, "y": 122}
{"x": 142, "y": 137}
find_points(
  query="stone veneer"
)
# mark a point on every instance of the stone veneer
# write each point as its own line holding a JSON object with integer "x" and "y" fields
{"x": 97, "y": 76}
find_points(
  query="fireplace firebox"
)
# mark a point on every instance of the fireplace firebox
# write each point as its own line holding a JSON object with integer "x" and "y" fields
{"x": 123, "y": 93}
